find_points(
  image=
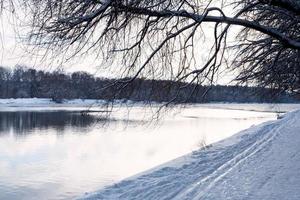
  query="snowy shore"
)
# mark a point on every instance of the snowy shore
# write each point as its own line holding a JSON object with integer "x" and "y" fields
{"x": 262, "y": 162}
{"x": 47, "y": 102}
{"x": 42, "y": 102}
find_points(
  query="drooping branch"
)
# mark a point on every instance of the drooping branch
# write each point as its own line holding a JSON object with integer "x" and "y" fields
{"x": 199, "y": 18}
{"x": 155, "y": 37}
{"x": 218, "y": 19}
{"x": 290, "y": 5}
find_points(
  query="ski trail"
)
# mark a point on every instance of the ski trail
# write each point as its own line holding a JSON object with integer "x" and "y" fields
{"x": 230, "y": 165}
{"x": 203, "y": 170}
{"x": 200, "y": 186}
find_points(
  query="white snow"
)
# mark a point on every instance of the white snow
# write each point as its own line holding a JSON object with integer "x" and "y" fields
{"x": 46, "y": 102}
{"x": 262, "y": 162}
{"x": 261, "y": 107}
{"x": 40, "y": 102}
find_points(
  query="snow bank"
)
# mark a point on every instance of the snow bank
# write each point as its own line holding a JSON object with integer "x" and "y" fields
{"x": 262, "y": 162}
{"x": 46, "y": 102}
{"x": 41, "y": 102}
{"x": 259, "y": 107}
{"x": 25, "y": 101}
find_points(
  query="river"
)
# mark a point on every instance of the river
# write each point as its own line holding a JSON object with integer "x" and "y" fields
{"x": 50, "y": 153}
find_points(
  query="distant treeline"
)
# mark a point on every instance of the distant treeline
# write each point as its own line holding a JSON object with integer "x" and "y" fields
{"x": 24, "y": 82}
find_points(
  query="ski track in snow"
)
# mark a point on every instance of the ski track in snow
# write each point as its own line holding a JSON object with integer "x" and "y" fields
{"x": 257, "y": 163}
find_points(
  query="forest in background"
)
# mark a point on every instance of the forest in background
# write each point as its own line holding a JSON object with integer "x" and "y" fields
{"x": 24, "y": 82}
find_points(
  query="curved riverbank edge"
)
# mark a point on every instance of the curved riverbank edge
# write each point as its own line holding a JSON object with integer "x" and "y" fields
{"x": 262, "y": 162}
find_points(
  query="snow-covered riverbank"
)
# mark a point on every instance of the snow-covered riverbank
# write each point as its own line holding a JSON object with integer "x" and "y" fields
{"x": 262, "y": 162}
{"x": 41, "y": 102}
{"x": 46, "y": 102}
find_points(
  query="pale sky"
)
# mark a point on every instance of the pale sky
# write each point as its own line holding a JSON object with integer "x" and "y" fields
{"x": 14, "y": 51}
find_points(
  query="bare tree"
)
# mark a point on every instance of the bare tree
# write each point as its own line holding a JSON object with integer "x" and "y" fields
{"x": 261, "y": 58}
{"x": 159, "y": 38}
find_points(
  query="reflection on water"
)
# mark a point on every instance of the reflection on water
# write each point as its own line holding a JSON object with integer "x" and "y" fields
{"x": 49, "y": 161}
{"x": 22, "y": 123}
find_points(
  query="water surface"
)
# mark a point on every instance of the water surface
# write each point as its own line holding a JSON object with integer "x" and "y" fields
{"x": 60, "y": 154}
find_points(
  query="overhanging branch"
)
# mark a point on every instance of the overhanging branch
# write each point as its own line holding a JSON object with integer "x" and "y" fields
{"x": 288, "y": 42}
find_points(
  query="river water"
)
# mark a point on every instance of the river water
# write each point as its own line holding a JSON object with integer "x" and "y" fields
{"x": 49, "y": 153}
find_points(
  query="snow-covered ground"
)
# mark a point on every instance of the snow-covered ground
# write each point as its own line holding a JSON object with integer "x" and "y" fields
{"x": 47, "y": 102}
{"x": 40, "y": 102}
{"x": 260, "y": 107}
{"x": 262, "y": 162}
{"x": 245, "y": 106}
